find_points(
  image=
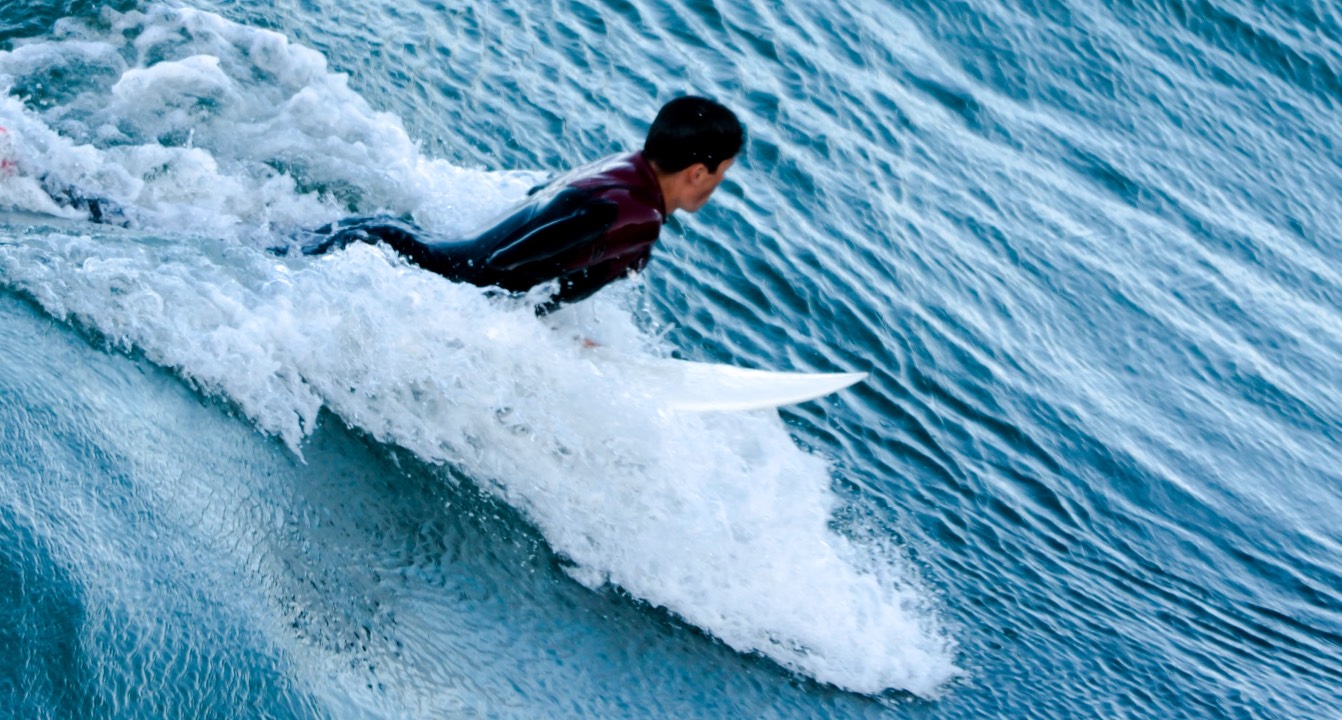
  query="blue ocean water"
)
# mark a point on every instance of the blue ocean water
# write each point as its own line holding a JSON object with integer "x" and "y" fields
{"x": 1088, "y": 252}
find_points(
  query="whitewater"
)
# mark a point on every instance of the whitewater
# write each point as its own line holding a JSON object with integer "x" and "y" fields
{"x": 210, "y": 142}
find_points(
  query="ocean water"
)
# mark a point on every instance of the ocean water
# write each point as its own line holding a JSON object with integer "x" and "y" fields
{"x": 1088, "y": 252}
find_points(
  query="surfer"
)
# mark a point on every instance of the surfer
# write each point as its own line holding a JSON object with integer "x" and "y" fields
{"x": 584, "y": 229}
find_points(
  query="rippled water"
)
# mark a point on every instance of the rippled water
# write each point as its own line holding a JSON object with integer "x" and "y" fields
{"x": 1087, "y": 252}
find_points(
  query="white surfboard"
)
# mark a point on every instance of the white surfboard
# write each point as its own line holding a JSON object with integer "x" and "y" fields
{"x": 690, "y": 386}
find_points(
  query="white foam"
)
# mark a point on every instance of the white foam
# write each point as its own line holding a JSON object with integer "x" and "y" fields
{"x": 721, "y": 519}
{"x": 281, "y": 134}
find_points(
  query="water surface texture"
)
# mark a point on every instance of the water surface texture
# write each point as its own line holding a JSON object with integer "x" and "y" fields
{"x": 1087, "y": 251}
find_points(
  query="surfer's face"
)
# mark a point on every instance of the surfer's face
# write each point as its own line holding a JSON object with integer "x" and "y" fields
{"x": 701, "y": 184}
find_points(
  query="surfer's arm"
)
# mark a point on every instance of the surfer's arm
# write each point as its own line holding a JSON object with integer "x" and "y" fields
{"x": 582, "y": 284}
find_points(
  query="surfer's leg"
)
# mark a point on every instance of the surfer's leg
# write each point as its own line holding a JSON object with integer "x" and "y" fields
{"x": 452, "y": 260}
{"x": 371, "y": 229}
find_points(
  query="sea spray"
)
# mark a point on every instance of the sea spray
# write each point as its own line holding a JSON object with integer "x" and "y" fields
{"x": 719, "y": 518}
{"x": 228, "y": 138}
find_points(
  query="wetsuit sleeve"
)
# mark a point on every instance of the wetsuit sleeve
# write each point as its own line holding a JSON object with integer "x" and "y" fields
{"x": 576, "y": 286}
{"x": 582, "y": 284}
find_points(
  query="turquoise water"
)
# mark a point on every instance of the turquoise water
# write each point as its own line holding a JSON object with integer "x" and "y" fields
{"x": 1088, "y": 253}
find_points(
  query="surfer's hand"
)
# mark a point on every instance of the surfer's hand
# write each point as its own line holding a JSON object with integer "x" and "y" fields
{"x": 590, "y": 343}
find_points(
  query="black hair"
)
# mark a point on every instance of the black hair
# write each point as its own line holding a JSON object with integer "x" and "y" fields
{"x": 691, "y": 130}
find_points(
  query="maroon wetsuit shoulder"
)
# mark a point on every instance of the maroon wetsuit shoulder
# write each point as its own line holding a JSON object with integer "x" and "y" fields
{"x": 626, "y": 246}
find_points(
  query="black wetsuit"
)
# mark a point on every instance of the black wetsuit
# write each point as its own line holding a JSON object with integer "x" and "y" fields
{"x": 585, "y": 229}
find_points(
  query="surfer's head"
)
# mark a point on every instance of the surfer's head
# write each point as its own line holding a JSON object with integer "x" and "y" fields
{"x": 691, "y": 130}
{"x": 691, "y": 144}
